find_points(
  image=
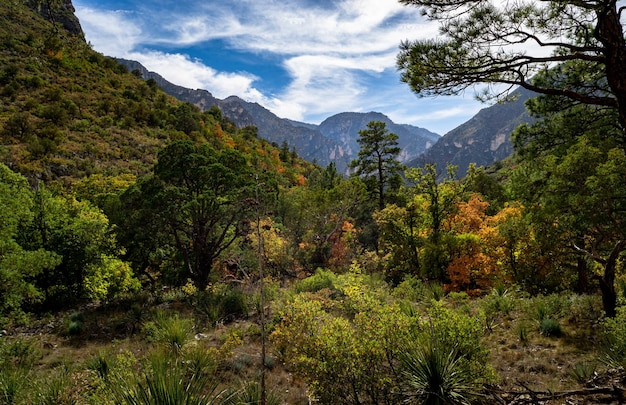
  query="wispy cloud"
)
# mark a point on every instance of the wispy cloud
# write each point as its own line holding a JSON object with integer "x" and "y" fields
{"x": 338, "y": 55}
{"x": 184, "y": 71}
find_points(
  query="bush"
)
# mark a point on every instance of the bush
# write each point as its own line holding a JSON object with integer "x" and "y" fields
{"x": 522, "y": 332}
{"x": 18, "y": 353}
{"x": 12, "y": 384}
{"x": 496, "y": 305}
{"x": 74, "y": 328}
{"x": 221, "y": 303}
{"x": 320, "y": 280}
{"x": 250, "y": 393}
{"x": 411, "y": 288}
{"x": 75, "y": 323}
{"x": 614, "y": 337}
{"x": 583, "y": 372}
{"x": 435, "y": 291}
{"x": 550, "y": 327}
{"x": 102, "y": 363}
{"x": 552, "y": 306}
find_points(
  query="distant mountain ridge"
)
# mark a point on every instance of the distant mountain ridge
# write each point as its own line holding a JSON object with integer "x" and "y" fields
{"x": 334, "y": 140}
{"x": 483, "y": 140}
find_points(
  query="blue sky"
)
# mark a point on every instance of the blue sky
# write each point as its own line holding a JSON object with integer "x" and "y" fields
{"x": 302, "y": 59}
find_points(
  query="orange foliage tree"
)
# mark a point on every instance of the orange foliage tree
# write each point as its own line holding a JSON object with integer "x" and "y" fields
{"x": 487, "y": 249}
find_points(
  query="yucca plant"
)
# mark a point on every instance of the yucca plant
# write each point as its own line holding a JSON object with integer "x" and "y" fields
{"x": 167, "y": 381}
{"x": 250, "y": 394}
{"x": 56, "y": 389}
{"x": 12, "y": 382}
{"x": 101, "y": 363}
{"x": 583, "y": 372}
{"x": 550, "y": 327}
{"x": 172, "y": 331}
{"x": 436, "y": 375}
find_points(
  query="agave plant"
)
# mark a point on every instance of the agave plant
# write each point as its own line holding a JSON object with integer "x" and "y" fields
{"x": 436, "y": 375}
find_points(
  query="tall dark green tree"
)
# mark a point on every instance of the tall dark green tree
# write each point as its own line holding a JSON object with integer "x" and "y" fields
{"x": 579, "y": 198}
{"x": 201, "y": 199}
{"x": 441, "y": 198}
{"x": 510, "y": 43}
{"x": 377, "y": 161}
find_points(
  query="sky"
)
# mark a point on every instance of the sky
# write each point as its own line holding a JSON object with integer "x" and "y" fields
{"x": 304, "y": 60}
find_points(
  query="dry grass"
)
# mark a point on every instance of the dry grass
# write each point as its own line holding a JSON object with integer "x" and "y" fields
{"x": 537, "y": 362}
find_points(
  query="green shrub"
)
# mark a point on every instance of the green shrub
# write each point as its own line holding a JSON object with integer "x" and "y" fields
{"x": 435, "y": 291}
{"x": 586, "y": 307}
{"x": 583, "y": 372}
{"x": 77, "y": 317}
{"x": 75, "y": 324}
{"x": 12, "y": 384}
{"x": 457, "y": 330}
{"x": 411, "y": 288}
{"x": 102, "y": 363}
{"x": 496, "y": 305}
{"x": 221, "y": 303}
{"x": 552, "y": 306}
{"x": 550, "y": 327}
{"x": 250, "y": 393}
{"x": 614, "y": 337}
{"x": 74, "y": 328}
{"x": 200, "y": 360}
{"x": 522, "y": 331}
{"x": 241, "y": 363}
{"x": 233, "y": 304}
{"x": 18, "y": 353}
{"x": 56, "y": 389}
{"x": 320, "y": 280}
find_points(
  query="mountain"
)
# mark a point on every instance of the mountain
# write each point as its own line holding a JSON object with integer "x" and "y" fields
{"x": 483, "y": 140}
{"x": 334, "y": 140}
{"x": 344, "y": 126}
{"x": 67, "y": 112}
{"x": 62, "y": 13}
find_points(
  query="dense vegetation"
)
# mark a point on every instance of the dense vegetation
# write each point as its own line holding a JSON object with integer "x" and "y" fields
{"x": 147, "y": 250}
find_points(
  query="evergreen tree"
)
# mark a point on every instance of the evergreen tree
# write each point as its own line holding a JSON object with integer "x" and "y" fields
{"x": 378, "y": 159}
{"x": 574, "y": 50}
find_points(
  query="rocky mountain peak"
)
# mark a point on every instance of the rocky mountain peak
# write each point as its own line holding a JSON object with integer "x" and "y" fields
{"x": 61, "y": 12}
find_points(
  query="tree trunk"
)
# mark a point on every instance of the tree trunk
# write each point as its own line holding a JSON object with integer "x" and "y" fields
{"x": 609, "y": 32}
{"x": 607, "y": 283}
{"x": 583, "y": 278}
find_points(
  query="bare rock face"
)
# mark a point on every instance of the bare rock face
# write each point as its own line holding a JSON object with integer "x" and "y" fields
{"x": 59, "y": 12}
{"x": 482, "y": 140}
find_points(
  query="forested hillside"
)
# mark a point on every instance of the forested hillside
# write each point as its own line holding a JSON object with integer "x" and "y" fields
{"x": 151, "y": 253}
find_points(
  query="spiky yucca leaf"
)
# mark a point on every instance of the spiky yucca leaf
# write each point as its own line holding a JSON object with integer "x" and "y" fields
{"x": 437, "y": 376}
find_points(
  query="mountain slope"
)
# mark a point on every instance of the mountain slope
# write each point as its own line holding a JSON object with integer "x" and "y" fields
{"x": 334, "y": 140}
{"x": 483, "y": 140}
{"x": 67, "y": 112}
{"x": 308, "y": 142}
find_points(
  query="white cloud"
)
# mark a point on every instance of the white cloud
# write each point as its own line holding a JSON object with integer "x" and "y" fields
{"x": 339, "y": 58}
{"x": 112, "y": 33}
{"x": 183, "y": 71}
